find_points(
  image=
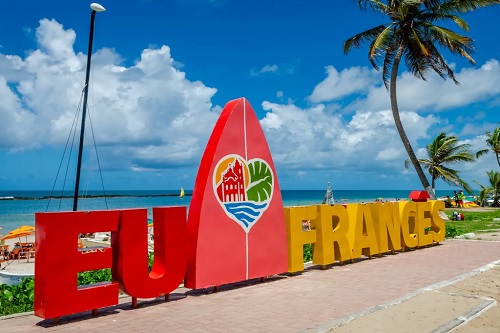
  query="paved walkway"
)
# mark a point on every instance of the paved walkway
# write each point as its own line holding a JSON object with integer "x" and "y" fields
{"x": 316, "y": 300}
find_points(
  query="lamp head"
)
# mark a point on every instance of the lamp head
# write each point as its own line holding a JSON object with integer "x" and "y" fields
{"x": 97, "y": 7}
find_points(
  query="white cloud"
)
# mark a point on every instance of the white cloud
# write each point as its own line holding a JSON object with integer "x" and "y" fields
{"x": 145, "y": 115}
{"x": 476, "y": 85}
{"x": 348, "y": 81}
{"x": 312, "y": 137}
{"x": 390, "y": 154}
{"x": 265, "y": 69}
{"x": 269, "y": 68}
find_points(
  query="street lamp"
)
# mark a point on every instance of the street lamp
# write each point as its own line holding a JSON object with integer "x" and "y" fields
{"x": 95, "y": 9}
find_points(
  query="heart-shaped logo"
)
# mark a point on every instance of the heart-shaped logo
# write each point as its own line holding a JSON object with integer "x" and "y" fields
{"x": 244, "y": 189}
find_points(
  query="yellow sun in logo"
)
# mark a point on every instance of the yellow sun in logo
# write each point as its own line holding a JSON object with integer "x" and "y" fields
{"x": 223, "y": 165}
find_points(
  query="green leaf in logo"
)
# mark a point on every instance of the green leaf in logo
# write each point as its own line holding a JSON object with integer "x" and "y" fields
{"x": 261, "y": 181}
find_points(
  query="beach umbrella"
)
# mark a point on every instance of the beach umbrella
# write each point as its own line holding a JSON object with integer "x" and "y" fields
{"x": 17, "y": 235}
{"x": 24, "y": 228}
{"x": 23, "y": 231}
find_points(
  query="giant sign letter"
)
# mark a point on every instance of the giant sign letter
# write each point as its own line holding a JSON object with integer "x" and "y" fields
{"x": 297, "y": 237}
{"x": 59, "y": 260}
{"x": 131, "y": 260}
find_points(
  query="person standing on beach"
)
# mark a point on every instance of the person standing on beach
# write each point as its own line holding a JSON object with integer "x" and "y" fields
{"x": 455, "y": 198}
{"x": 461, "y": 197}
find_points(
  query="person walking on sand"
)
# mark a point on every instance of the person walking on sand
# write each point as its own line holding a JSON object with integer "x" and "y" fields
{"x": 461, "y": 197}
{"x": 455, "y": 198}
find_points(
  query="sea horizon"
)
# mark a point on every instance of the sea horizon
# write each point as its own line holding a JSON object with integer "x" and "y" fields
{"x": 21, "y": 211}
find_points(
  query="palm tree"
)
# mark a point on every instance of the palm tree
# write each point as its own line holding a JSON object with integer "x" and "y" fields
{"x": 493, "y": 188}
{"x": 493, "y": 141}
{"x": 411, "y": 34}
{"x": 446, "y": 150}
{"x": 482, "y": 197}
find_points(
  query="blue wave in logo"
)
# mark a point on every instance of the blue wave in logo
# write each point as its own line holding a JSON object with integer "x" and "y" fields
{"x": 245, "y": 212}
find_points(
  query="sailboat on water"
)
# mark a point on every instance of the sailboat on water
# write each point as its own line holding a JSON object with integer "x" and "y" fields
{"x": 181, "y": 195}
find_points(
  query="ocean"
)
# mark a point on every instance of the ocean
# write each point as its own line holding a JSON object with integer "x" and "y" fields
{"x": 15, "y": 213}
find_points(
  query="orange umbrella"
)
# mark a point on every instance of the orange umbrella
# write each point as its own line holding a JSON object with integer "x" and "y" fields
{"x": 24, "y": 228}
{"x": 20, "y": 232}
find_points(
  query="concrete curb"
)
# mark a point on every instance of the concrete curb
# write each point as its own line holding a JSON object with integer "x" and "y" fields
{"x": 466, "y": 317}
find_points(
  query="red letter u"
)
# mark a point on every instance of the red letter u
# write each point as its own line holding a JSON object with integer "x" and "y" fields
{"x": 131, "y": 252}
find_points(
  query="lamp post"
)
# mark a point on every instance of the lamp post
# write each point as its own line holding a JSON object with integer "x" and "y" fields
{"x": 95, "y": 9}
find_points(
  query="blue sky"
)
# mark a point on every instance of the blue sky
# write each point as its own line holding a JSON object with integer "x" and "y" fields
{"x": 163, "y": 70}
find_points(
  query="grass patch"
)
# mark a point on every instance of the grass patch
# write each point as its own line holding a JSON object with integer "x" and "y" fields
{"x": 476, "y": 222}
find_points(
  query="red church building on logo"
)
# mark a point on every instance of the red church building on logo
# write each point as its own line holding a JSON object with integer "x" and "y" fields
{"x": 232, "y": 186}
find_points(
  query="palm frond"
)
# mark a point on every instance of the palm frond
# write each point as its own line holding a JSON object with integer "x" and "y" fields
{"x": 372, "y": 4}
{"x": 442, "y": 151}
{"x": 464, "y": 6}
{"x": 455, "y": 43}
{"x": 415, "y": 60}
{"x": 439, "y": 65}
{"x": 493, "y": 140}
{"x": 482, "y": 152}
{"x": 390, "y": 55}
{"x": 365, "y": 36}
{"x": 480, "y": 185}
{"x": 432, "y": 4}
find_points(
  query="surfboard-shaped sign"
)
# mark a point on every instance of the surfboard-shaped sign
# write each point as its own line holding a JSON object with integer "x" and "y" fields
{"x": 236, "y": 225}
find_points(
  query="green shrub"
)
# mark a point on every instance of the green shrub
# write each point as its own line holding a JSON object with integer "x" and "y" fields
{"x": 104, "y": 275}
{"x": 308, "y": 253}
{"x": 17, "y": 298}
{"x": 151, "y": 258}
{"x": 91, "y": 277}
{"x": 452, "y": 231}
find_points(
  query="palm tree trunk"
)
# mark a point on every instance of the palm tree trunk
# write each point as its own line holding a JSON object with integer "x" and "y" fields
{"x": 399, "y": 125}
{"x": 498, "y": 158}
